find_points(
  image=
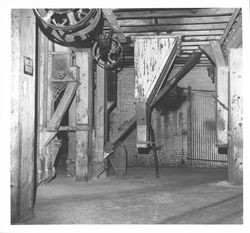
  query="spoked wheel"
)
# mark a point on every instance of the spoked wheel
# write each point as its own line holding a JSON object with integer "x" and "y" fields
{"x": 68, "y": 26}
{"x": 112, "y": 58}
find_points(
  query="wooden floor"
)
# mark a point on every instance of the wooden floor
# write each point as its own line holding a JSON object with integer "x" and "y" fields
{"x": 179, "y": 196}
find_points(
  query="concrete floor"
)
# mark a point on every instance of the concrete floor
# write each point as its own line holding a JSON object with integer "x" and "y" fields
{"x": 179, "y": 196}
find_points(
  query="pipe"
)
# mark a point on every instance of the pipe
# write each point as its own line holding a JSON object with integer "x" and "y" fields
{"x": 192, "y": 61}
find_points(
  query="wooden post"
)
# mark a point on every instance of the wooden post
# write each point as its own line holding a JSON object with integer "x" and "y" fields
{"x": 235, "y": 159}
{"x": 43, "y": 74}
{"x": 97, "y": 163}
{"x": 72, "y": 135}
{"x": 23, "y": 74}
{"x": 84, "y": 114}
{"x": 222, "y": 93}
{"x": 45, "y": 154}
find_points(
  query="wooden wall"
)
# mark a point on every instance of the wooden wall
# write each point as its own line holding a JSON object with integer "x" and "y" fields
{"x": 22, "y": 113}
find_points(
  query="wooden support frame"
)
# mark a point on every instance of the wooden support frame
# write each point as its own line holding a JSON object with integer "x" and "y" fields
{"x": 229, "y": 25}
{"x": 57, "y": 116}
{"x": 215, "y": 54}
{"x": 51, "y": 64}
{"x": 207, "y": 50}
{"x": 71, "y": 158}
{"x": 77, "y": 98}
{"x": 97, "y": 162}
{"x": 221, "y": 94}
{"x": 235, "y": 160}
{"x": 234, "y": 39}
{"x": 84, "y": 114}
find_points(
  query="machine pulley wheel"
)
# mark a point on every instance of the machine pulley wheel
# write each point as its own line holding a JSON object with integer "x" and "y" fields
{"x": 68, "y": 27}
{"x": 118, "y": 159}
{"x": 114, "y": 56}
{"x": 65, "y": 19}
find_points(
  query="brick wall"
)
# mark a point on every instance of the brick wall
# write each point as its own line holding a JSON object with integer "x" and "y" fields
{"x": 169, "y": 118}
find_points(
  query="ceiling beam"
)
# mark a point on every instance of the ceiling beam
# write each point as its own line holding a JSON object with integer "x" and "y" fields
{"x": 229, "y": 25}
{"x": 175, "y": 21}
{"x": 170, "y": 13}
{"x": 172, "y": 28}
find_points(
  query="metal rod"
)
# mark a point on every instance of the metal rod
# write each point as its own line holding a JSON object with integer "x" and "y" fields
{"x": 223, "y": 105}
{"x": 193, "y": 60}
{"x": 209, "y": 160}
{"x": 154, "y": 151}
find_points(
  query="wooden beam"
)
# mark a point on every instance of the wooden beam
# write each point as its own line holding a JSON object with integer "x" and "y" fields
{"x": 235, "y": 159}
{"x": 194, "y": 43}
{"x": 171, "y": 28}
{"x": 69, "y": 93}
{"x": 168, "y": 13}
{"x": 114, "y": 24}
{"x": 97, "y": 162}
{"x": 199, "y": 38}
{"x": 43, "y": 63}
{"x": 207, "y": 50}
{"x": 234, "y": 38}
{"x": 181, "y": 56}
{"x": 23, "y": 85}
{"x": 229, "y": 25}
{"x": 189, "y": 48}
{"x": 221, "y": 92}
{"x": 71, "y": 158}
{"x": 174, "y": 21}
{"x": 193, "y": 20}
{"x": 69, "y": 128}
{"x": 184, "y": 45}
{"x": 84, "y": 114}
{"x": 183, "y": 33}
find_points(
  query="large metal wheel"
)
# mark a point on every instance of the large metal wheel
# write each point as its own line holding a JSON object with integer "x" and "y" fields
{"x": 68, "y": 27}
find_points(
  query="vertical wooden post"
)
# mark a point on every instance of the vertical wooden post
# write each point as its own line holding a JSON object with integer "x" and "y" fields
{"x": 84, "y": 113}
{"x": 222, "y": 93}
{"x": 97, "y": 163}
{"x": 235, "y": 160}
{"x": 23, "y": 74}
{"x": 72, "y": 135}
{"x": 43, "y": 75}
